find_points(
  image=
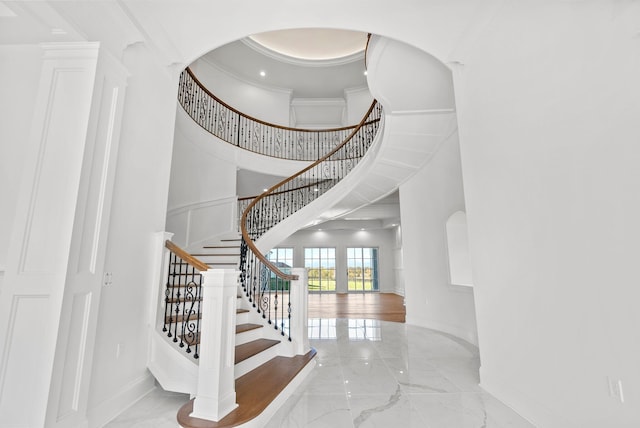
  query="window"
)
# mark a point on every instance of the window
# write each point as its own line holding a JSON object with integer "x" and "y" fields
{"x": 321, "y": 263}
{"x": 281, "y": 257}
{"x": 362, "y": 269}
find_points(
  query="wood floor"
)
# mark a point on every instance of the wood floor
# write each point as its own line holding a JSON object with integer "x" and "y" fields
{"x": 379, "y": 306}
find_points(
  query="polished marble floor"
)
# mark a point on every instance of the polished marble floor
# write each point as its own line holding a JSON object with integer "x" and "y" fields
{"x": 370, "y": 374}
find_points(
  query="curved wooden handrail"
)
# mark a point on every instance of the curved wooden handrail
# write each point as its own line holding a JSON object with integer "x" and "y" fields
{"x": 246, "y": 198}
{"x": 262, "y": 122}
{"x": 243, "y": 227}
{"x": 186, "y": 256}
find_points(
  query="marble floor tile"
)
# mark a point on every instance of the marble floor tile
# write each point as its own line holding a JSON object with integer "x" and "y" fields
{"x": 158, "y": 409}
{"x": 370, "y": 374}
{"x": 395, "y": 410}
{"x": 313, "y": 411}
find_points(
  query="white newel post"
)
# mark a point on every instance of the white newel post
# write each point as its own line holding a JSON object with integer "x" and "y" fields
{"x": 216, "y": 395}
{"x": 299, "y": 313}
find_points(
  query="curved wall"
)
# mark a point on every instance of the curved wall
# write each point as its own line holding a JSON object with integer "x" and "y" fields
{"x": 267, "y": 104}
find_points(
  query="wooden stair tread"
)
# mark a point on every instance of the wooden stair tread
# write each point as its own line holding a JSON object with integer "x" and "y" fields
{"x": 182, "y": 300}
{"x": 249, "y": 349}
{"x": 216, "y": 255}
{"x": 254, "y": 392}
{"x": 241, "y": 328}
{"x": 181, "y": 317}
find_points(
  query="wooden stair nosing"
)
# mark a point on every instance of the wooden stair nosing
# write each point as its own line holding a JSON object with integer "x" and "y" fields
{"x": 240, "y": 328}
{"x": 193, "y": 316}
{"x": 249, "y": 349}
{"x": 254, "y": 392}
{"x": 181, "y": 318}
{"x": 217, "y": 255}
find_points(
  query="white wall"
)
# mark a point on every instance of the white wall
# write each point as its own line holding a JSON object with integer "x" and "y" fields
{"x": 19, "y": 68}
{"x": 202, "y": 191}
{"x": 358, "y": 102}
{"x": 270, "y": 105}
{"x": 383, "y": 239}
{"x": 548, "y": 101}
{"x": 426, "y": 202}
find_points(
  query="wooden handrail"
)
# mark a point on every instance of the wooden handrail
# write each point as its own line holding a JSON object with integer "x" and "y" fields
{"x": 243, "y": 227}
{"x": 201, "y": 266}
{"x": 262, "y": 122}
{"x": 246, "y": 198}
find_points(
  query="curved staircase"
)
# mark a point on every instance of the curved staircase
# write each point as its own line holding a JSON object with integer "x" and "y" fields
{"x": 266, "y": 360}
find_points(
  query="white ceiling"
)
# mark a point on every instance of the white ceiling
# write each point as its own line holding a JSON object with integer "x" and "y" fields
{"x": 313, "y": 44}
{"x": 306, "y": 79}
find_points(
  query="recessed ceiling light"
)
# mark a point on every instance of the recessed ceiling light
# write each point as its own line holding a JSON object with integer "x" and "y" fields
{"x": 316, "y": 190}
{"x": 264, "y": 190}
{"x": 365, "y": 72}
{"x": 263, "y": 73}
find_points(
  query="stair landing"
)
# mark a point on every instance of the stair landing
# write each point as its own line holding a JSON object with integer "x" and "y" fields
{"x": 254, "y": 392}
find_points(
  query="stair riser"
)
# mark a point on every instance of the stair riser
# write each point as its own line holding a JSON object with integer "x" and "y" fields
{"x": 249, "y": 364}
{"x": 248, "y": 336}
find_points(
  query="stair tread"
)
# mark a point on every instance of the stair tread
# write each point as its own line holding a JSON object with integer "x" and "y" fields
{"x": 181, "y": 317}
{"x": 216, "y": 254}
{"x": 182, "y": 300}
{"x": 241, "y": 328}
{"x": 254, "y": 392}
{"x": 249, "y": 349}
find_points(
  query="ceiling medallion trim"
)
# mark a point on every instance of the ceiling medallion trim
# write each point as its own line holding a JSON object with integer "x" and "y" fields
{"x": 358, "y": 56}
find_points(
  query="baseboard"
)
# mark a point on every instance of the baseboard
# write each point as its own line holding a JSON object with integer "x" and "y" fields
{"x": 112, "y": 407}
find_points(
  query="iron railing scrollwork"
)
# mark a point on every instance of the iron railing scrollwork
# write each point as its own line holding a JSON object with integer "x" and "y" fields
{"x": 267, "y": 292}
{"x": 239, "y": 129}
{"x": 265, "y": 284}
{"x": 182, "y": 298}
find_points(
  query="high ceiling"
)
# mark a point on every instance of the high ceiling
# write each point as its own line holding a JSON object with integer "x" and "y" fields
{"x": 313, "y": 44}
{"x": 324, "y": 69}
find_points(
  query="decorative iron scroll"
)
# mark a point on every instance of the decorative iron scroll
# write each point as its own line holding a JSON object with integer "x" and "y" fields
{"x": 266, "y": 291}
{"x": 183, "y": 294}
{"x": 251, "y": 134}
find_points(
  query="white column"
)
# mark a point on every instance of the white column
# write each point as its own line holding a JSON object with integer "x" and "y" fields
{"x": 216, "y": 395}
{"x": 299, "y": 312}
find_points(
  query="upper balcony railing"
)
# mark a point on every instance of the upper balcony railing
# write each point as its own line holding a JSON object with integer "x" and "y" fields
{"x": 246, "y": 132}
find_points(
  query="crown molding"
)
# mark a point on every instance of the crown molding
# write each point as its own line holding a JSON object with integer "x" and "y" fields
{"x": 248, "y": 41}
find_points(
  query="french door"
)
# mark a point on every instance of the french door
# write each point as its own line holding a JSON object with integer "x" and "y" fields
{"x": 362, "y": 269}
